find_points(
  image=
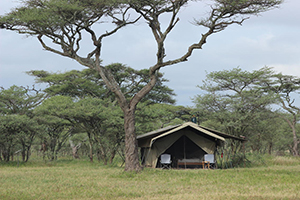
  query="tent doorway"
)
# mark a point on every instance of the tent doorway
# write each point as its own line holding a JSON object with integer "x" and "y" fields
{"x": 184, "y": 148}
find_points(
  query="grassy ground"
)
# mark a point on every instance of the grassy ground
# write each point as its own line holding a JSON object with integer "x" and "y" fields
{"x": 278, "y": 178}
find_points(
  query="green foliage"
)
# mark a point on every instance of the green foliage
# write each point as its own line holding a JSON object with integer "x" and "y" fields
{"x": 19, "y": 100}
{"x": 18, "y": 127}
{"x": 285, "y": 86}
{"x": 234, "y": 99}
{"x": 40, "y": 16}
{"x": 55, "y": 128}
{"x": 240, "y": 103}
{"x": 100, "y": 119}
{"x": 89, "y": 83}
{"x": 155, "y": 116}
{"x": 103, "y": 122}
{"x": 13, "y": 128}
{"x": 73, "y": 83}
{"x": 82, "y": 103}
{"x": 236, "y": 103}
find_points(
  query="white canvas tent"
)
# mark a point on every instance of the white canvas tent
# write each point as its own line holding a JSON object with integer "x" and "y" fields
{"x": 186, "y": 141}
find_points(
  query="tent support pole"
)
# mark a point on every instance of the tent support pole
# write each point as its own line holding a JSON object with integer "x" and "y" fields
{"x": 184, "y": 152}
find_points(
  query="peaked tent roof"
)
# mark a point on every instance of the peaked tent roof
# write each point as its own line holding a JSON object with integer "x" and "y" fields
{"x": 188, "y": 124}
{"x": 154, "y": 135}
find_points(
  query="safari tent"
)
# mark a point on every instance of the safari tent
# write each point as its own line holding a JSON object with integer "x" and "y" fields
{"x": 186, "y": 142}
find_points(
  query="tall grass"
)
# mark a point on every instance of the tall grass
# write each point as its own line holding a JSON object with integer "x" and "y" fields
{"x": 281, "y": 160}
{"x": 70, "y": 179}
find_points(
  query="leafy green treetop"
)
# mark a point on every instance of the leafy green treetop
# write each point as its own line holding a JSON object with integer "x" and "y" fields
{"x": 235, "y": 99}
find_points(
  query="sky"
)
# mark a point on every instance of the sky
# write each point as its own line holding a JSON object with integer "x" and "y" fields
{"x": 271, "y": 39}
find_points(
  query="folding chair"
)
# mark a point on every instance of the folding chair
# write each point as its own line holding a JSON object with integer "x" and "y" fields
{"x": 210, "y": 158}
{"x": 165, "y": 161}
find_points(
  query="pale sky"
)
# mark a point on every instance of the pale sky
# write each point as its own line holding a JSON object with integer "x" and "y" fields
{"x": 271, "y": 39}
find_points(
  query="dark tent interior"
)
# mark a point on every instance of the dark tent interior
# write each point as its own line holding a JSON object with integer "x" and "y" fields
{"x": 184, "y": 148}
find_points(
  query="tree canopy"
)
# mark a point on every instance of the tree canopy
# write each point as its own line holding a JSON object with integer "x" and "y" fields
{"x": 244, "y": 103}
{"x": 89, "y": 83}
{"x": 234, "y": 99}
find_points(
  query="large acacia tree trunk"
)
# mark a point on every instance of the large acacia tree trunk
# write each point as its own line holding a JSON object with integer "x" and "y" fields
{"x": 131, "y": 145}
{"x": 128, "y": 108}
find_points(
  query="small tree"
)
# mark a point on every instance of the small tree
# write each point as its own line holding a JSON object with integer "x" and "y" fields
{"x": 18, "y": 127}
{"x": 56, "y": 130}
{"x": 64, "y": 23}
{"x": 17, "y": 133}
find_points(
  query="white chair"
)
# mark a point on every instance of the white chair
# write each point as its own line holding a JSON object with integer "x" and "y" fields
{"x": 165, "y": 161}
{"x": 211, "y": 159}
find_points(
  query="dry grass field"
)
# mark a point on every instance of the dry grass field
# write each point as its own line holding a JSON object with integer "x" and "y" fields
{"x": 69, "y": 179}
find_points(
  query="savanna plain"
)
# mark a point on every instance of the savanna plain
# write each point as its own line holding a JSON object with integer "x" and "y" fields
{"x": 274, "y": 178}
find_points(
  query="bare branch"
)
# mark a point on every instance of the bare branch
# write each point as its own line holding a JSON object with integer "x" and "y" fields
{"x": 49, "y": 48}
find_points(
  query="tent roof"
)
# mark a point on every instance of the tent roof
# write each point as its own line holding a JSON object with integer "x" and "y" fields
{"x": 154, "y": 135}
{"x": 224, "y": 134}
{"x": 188, "y": 124}
{"x": 157, "y": 132}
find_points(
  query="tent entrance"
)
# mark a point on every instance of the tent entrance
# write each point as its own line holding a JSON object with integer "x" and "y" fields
{"x": 184, "y": 148}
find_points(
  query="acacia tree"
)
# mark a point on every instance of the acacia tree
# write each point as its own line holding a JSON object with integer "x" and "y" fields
{"x": 285, "y": 86}
{"x": 100, "y": 119}
{"x": 17, "y": 132}
{"x": 18, "y": 125}
{"x": 57, "y": 129}
{"x": 235, "y": 99}
{"x": 64, "y": 22}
